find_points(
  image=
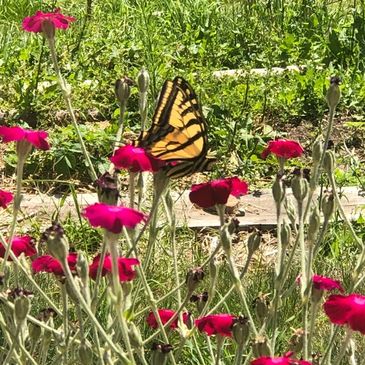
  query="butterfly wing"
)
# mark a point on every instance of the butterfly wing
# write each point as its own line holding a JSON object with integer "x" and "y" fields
{"x": 178, "y": 133}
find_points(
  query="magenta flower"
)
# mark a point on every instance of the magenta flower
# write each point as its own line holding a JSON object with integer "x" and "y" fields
{"x": 217, "y": 191}
{"x": 49, "y": 264}
{"x": 135, "y": 159}
{"x": 34, "y": 23}
{"x": 111, "y": 217}
{"x": 347, "y": 309}
{"x": 284, "y": 360}
{"x": 36, "y": 138}
{"x": 126, "y": 272}
{"x": 19, "y": 245}
{"x": 216, "y": 324}
{"x": 324, "y": 283}
{"x": 284, "y": 148}
{"x": 165, "y": 316}
{"x": 5, "y": 198}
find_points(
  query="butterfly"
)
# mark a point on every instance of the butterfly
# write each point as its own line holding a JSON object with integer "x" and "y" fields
{"x": 178, "y": 134}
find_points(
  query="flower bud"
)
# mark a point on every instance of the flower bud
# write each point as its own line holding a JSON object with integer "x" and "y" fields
{"x": 71, "y": 291}
{"x": 333, "y": 92}
{"x": 135, "y": 337}
{"x": 82, "y": 268}
{"x": 260, "y": 347}
{"x": 193, "y": 278}
{"x": 200, "y": 300}
{"x": 122, "y": 89}
{"x": 21, "y": 308}
{"x": 328, "y": 205}
{"x": 48, "y": 29}
{"x": 35, "y": 332}
{"x": 107, "y": 188}
{"x": 85, "y": 354}
{"x": 314, "y": 224}
{"x": 261, "y": 307}
{"x": 240, "y": 330}
{"x": 254, "y": 241}
{"x": 329, "y": 161}
{"x": 160, "y": 353}
{"x": 278, "y": 189}
{"x": 299, "y": 186}
{"x": 317, "y": 150}
{"x": 285, "y": 233}
{"x": 57, "y": 242}
{"x": 143, "y": 80}
{"x": 296, "y": 341}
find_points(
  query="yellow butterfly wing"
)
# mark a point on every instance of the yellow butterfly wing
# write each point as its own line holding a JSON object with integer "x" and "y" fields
{"x": 179, "y": 132}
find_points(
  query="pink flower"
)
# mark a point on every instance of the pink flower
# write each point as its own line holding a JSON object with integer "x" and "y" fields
{"x": 19, "y": 245}
{"x": 135, "y": 159}
{"x": 284, "y": 360}
{"x": 284, "y": 148}
{"x": 165, "y": 315}
{"x": 34, "y": 23}
{"x": 126, "y": 273}
{"x": 36, "y": 138}
{"x": 49, "y": 264}
{"x": 5, "y": 198}
{"x": 325, "y": 283}
{"x": 347, "y": 309}
{"x": 111, "y": 217}
{"x": 216, "y": 324}
{"x": 217, "y": 191}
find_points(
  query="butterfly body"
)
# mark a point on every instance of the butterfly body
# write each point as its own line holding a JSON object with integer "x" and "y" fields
{"x": 178, "y": 134}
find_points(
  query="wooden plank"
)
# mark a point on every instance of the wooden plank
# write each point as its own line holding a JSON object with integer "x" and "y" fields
{"x": 259, "y": 211}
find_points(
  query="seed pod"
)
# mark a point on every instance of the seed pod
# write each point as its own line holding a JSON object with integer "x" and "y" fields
{"x": 193, "y": 278}
{"x": 328, "y": 205}
{"x": 160, "y": 353}
{"x": 240, "y": 330}
{"x": 21, "y": 308}
{"x": 278, "y": 190}
{"x": 261, "y": 307}
{"x": 107, "y": 188}
{"x": 200, "y": 300}
{"x": 317, "y": 150}
{"x": 260, "y": 347}
{"x": 85, "y": 354}
{"x": 57, "y": 242}
{"x": 254, "y": 241}
{"x": 329, "y": 161}
{"x": 296, "y": 341}
{"x": 299, "y": 187}
{"x": 314, "y": 224}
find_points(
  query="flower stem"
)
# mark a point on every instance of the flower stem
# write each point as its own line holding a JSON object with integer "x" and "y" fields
{"x": 66, "y": 92}
{"x": 220, "y": 342}
{"x": 344, "y": 346}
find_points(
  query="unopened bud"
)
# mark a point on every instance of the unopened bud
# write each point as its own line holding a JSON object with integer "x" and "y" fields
{"x": 254, "y": 241}
{"x": 200, "y": 300}
{"x": 85, "y": 354}
{"x": 48, "y": 29}
{"x": 328, "y": 205}
{"x": 261, "y": 307}
{"x": 317, "y": 150}
{"x": 296, "y": 341}
{"x": 21, "y": 308}
{"x": 160, "y": 353}
{"x": 135, "y": 336}
{"x": 107, "y": 188}
{"x": 278, "y": 190}
{"x": 57, "y": 242}
{"x": 333, "y": 92}
{"x": 285, "y": 233}
{"x": 240, "y": 330}
{"x": 82, "y": 267}
{"x": 122, "y": 89}
{"x": 260, "y": 347}
{"x": 193, "y": 278}
{"x": 314, "y": 224}
{"x": 329, "y": 161}
{"x": 143, "y": 80}
{"x": 299, "y": 186}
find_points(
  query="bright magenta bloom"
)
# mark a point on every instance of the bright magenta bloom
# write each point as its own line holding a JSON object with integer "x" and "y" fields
{"x": 5, "y": 198}
{"x": 36, "y": 138}
{"x": 19, "y": 245}
{"x": 216, "y": 324}
{"x": 135, "y": 159}
{"x": 111, "y": 217}
{"x": 49, "y": 264}
{"x": 165, "y": 315}
{"x": 324, "y": 283}
{"x": 126, "y": 272}
{"x": 284, "y": 360}
{"x": 347, "y": 309}
{"x": 217, "y": 191}
{"x": 34, "y": 23}
{"x": 284, "y": 148}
